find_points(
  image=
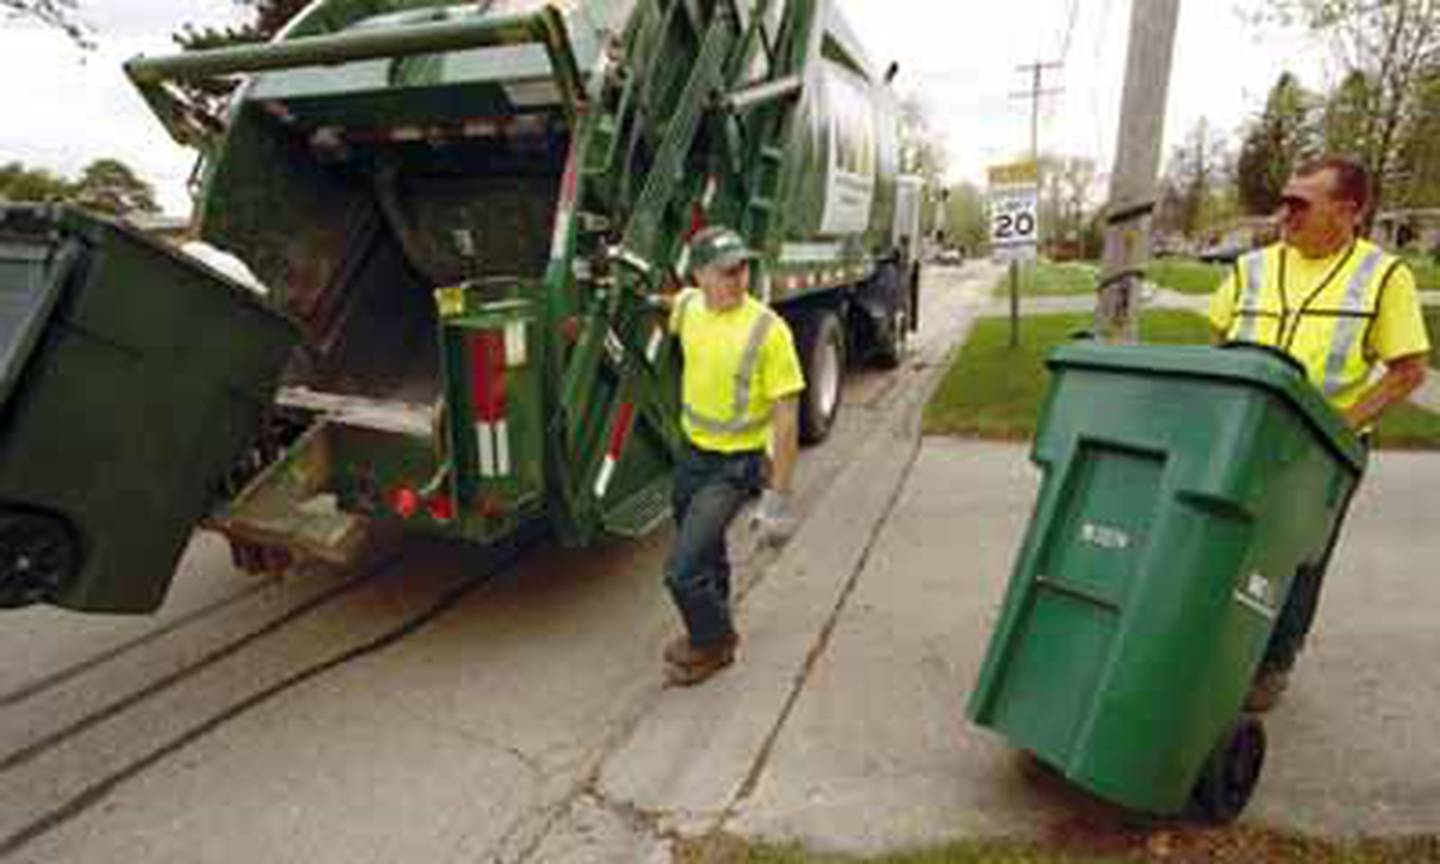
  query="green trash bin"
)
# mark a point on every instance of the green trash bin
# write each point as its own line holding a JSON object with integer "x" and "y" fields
{"x": 131, "y": 380}
{"x": 1183, "y": 488}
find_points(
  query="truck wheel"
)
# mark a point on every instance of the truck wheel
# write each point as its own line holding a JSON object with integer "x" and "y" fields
{"x": 1230, "y": 774}
{"x": 894, "y": 327}
{"x": 38, "y": 555}
{"x": 822, "y": 356}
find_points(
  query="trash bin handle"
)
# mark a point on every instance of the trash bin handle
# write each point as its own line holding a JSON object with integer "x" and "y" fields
{"x": 1289, "y": 359}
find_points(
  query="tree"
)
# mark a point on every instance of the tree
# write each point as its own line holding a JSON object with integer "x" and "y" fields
{"x": 18, "y": 183}
{"x": 1417, "y": 171}
{"x": 1387, "y": 48}
{"x": 966, "y": 224}
{"x": 922, "y": 150}
{"x": 270, "y": 16}
{"x": 108, "y": 185}
{"x": 1276, "y": 141}
{"x": 1199, "y": 169}
{"x": 60, "y": 14}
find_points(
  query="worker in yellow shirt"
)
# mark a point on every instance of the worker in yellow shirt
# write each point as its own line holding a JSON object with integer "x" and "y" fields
{"x": 1343, "y": 309}
{"x": 739, "y": 415}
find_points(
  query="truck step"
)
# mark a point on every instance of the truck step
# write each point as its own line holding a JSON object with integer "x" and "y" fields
{"x": 642, "y": 512}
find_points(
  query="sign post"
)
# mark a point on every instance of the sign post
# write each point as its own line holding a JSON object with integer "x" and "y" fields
{"x": 1014, "y": 226}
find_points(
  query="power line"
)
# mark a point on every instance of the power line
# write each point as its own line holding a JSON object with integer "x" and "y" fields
{"x": 1069, "y": 30}
{"x": 1034, "y": 94}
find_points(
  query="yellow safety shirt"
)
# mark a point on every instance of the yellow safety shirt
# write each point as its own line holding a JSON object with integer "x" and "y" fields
{"x": 1337, "y": 315}
{"x": 738, "y": 364}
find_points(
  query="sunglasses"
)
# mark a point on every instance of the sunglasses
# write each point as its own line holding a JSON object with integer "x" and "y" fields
{"x": 1294, "y": 203}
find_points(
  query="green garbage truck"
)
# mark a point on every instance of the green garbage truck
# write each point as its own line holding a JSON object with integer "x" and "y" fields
{"x": 472, "y": 209}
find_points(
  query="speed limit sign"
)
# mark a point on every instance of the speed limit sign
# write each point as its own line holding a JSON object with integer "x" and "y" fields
{"x": 1014, "y": 211}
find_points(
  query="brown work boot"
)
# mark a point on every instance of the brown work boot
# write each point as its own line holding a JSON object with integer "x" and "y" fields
{"x": 687, "y": 665}
{"x": 1266, "y": 689}
{"x": 677, "y": 649}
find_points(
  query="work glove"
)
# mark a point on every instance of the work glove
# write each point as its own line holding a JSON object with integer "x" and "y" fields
{"x": 772, "y": 520}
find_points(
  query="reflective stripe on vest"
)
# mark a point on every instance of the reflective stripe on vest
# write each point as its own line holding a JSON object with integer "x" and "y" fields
{"x": 1342, "y": 342}
{"x": 1254, "y": 267}
{"x": 1326, "y": 332}
{"x": 736, "y": 424}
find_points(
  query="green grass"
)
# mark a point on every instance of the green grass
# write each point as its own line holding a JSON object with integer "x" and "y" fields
{"x": 1407, "y": 427}
{"x": 1048, "y": 279}
{"x": 1186, "y": 276}
{"x": 993, "y": 391}
{"x": 1427, "y": 271}
{"x": 1087, "y": 844}
{"x": 1432, "y": 326}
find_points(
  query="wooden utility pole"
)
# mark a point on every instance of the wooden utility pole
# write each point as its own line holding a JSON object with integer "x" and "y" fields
{"x": 1034, "y": 94}
{"x": 1137, "y": 163}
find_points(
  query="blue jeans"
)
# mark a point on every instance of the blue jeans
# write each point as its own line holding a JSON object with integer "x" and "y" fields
{"x": 1298, "y": 614}
{"x": 709, "y": 490}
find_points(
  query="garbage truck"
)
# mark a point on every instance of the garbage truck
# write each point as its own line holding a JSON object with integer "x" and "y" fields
{"x": 472, "y": 210}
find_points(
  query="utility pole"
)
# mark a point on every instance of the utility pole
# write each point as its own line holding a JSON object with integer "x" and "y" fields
{"x": 1034, "y": 94}
{"x": 1036, "y": 70}
{"x": 1137, "y": 163}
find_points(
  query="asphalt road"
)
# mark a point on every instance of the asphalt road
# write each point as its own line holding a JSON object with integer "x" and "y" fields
{"x": 443, "y": 705}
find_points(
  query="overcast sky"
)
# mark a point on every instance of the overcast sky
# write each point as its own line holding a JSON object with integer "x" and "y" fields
{"x": 64, "y": 109}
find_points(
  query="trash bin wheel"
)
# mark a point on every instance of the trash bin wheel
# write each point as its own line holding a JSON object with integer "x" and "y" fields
{"x": 38, "y": 554}
{"x": 1230, "y": 774}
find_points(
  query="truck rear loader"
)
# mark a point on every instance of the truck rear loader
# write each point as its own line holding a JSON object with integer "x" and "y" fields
{"x": 471, "y": 209}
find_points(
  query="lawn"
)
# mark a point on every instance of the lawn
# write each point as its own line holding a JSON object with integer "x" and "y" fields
{"x": 1048, "y": 279}
{"x": 1079, "y": 844}
{"x": 1427, "y": 272}
{"x": 1432, "y": 326}
{"x": 1186, "y": 275}
{"x": 992, "y": 391}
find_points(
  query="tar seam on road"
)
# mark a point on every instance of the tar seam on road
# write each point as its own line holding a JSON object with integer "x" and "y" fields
{"x": 101, "y": 789}
{"x": 911, "y": 412}
{"x": 36, "y": 748}
{"x": 48, "y": 682}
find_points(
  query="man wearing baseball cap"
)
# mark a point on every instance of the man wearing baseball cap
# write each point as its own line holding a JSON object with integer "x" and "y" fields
{"x": 740, "y": 421}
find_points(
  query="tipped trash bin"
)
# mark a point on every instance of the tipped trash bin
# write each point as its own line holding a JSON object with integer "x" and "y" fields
{"x": 1183, "y": 488}
{"x": 131, "y": 380}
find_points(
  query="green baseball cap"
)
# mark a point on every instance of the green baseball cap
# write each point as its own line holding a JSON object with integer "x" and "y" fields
{"x": 718, "y": 246}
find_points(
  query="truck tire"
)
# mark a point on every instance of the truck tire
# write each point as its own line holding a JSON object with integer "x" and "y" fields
{"x": 821, "y": 343}
{"x": 893, "y": 325}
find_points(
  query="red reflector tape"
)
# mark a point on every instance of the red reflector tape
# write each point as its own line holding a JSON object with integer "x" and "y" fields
{"x": 487, "y": 375}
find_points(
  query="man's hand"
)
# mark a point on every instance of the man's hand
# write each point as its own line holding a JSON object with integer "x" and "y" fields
{"x": 772, "y": 519}
{"x": 1402, "y": 377}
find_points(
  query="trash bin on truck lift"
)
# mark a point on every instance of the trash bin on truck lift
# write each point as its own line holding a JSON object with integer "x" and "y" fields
{"x": 132, "y": 378}
{"x": 1183, "y": 488}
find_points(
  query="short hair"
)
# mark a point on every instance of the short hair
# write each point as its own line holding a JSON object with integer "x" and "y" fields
{"x": 1352, "y": 178}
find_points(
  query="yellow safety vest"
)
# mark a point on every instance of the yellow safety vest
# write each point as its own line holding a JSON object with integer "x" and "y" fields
{"x": 726, "y": 418}
{"x": 1324, "y": 326}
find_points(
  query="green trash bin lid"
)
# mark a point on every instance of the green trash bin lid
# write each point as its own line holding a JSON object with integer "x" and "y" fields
{"x": 1252, "y": 365}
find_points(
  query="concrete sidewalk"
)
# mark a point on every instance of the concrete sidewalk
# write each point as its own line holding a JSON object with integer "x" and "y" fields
{"x": 842, "y": 724}
{"x": 876, "y": 754}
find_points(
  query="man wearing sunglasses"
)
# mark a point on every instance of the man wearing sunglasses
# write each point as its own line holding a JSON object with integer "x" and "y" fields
{"x": 1348, "y": 312}
{"x": 739, "y": 386}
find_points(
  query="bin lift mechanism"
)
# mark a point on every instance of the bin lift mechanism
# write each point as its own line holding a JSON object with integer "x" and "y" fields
{"x": 629, "y": 275}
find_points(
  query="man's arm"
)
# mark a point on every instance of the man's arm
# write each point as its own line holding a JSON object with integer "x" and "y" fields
{"x": 1402, "y": 376}
{"x": 785, "y": 434}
